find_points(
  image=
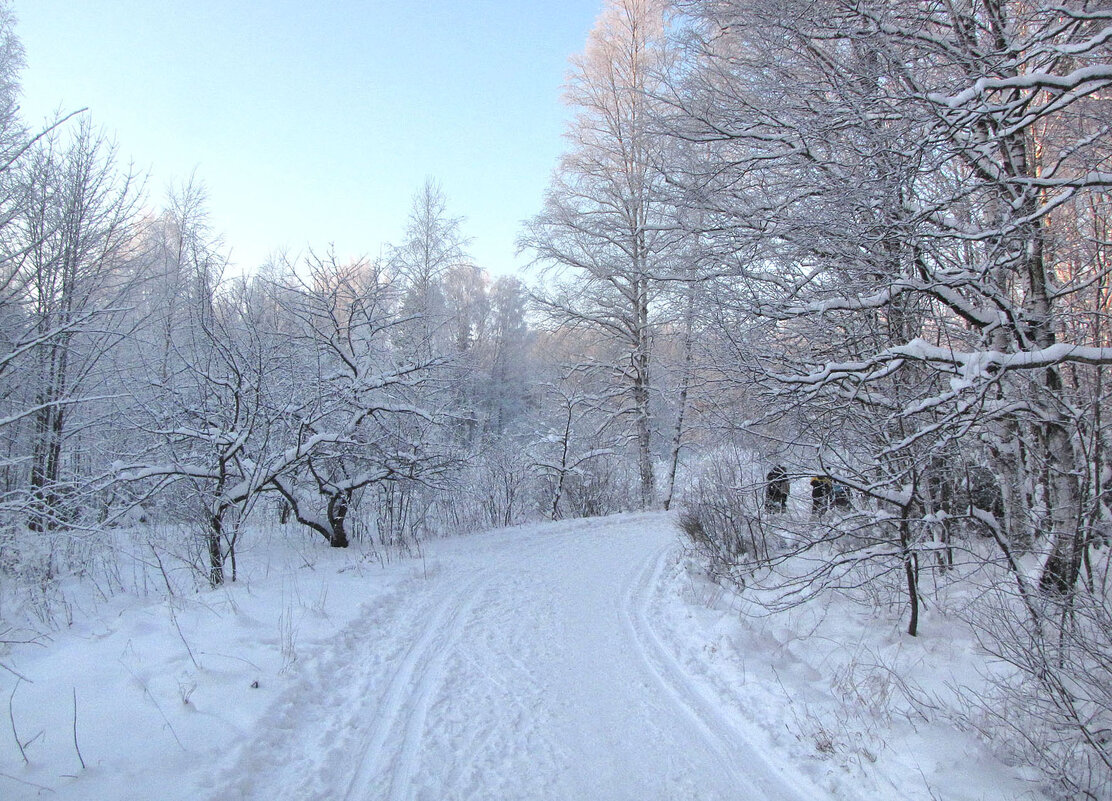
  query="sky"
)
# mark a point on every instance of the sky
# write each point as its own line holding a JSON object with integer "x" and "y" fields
{"x": 312, "y": 123}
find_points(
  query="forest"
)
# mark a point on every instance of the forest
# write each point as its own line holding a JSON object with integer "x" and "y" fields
{"x": 830, "y": 280}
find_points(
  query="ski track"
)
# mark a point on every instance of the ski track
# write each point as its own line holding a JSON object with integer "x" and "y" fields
{"x": 760, "y": 779}
{"x": 526, "y": 667}
{"x": 403, "y": 714}
{"x": 306, "y": 740}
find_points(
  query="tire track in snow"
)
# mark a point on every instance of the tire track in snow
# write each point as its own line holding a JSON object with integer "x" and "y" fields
{"x": 405, "y": 704}
{"x": 759, "y": 778}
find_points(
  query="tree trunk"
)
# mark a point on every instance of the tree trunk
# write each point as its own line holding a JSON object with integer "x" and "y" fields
{"x": 641, "y": 399}
{"x": 45, "y": 466}
{"x": 215, "y": 549}
{"x": 911, "y": 573}
{"x": 46, "y": 455}
{"x": 681, "y": 413}
{"x": 1062, "y": 568}
{"x": 338, "y": 506}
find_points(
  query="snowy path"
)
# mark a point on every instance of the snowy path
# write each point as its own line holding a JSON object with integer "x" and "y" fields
{"x": 529, "y": 664}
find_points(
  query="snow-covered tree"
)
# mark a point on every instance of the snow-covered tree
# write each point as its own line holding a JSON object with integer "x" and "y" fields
{"x": 432, "y": 246}
{"x": 904, "y": 201}
{"x": 510, "y": 342}
{"x": 359, "y": 419}
{"x": 883, "y": 205}
{"x": 604, "y": 236}
{"x": 74, "y": 270}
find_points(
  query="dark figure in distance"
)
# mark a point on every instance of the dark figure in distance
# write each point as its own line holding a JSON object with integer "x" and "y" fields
{"x": 777, "y": 489}
{"x": 827, "y": 494}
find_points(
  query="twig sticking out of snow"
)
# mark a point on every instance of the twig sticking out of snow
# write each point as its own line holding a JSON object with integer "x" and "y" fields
{"x": 11, "y": 717}
{"x": 77, "y": 747}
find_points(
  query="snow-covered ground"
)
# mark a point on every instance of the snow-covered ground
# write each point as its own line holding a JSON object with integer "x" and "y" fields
{"x": 578, "y": 660}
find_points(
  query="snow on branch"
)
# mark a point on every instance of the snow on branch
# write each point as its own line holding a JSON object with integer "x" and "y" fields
{"x": 968, "y": 365}
{"x": 1097, "y": 74}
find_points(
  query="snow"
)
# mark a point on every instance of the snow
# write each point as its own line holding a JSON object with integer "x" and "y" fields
{"x": 584, "y": 659}
{"x": 1096, "y": 73}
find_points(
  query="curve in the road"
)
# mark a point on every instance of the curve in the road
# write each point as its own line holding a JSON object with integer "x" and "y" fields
{"x": 528, "y": 667}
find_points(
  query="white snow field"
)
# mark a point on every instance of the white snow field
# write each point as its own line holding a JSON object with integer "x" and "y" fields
{"x": 554, "y": 661}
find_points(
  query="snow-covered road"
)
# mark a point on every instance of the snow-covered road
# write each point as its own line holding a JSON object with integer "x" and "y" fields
{"x": 529, "y": 664}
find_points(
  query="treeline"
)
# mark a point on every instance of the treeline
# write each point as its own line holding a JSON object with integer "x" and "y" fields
{"x": 379, "y": 401}
{"x": 145, "y": 385}
{"x": 885, "y": 226}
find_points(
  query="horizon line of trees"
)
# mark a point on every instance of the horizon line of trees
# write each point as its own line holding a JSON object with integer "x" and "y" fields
{"x": 365, "y": 400}
{"x": 864, "y": 234}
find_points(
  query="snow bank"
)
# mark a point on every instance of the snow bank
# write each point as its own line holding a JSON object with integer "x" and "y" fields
{"x": 166, "y": 688}
{"x": 841, "y": 689}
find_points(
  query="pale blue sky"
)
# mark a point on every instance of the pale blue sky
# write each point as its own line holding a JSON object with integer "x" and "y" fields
{"x": 312, "y": 122}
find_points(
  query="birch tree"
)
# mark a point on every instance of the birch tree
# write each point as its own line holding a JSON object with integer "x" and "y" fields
{"x": 603, "y": 236}
{"x": 877, "y": 196}
{"x": 433, "y": 245}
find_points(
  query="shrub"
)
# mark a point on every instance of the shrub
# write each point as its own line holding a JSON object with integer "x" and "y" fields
{"x": 722, "y": 514}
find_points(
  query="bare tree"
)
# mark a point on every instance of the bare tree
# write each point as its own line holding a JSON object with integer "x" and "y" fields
{"x": 878, "y": 201}
{"x": 905, "y": 201}
{"x": 604, "y": 233}
{"x": 433, "y": 246}
{"x": 76, "y": 270}
{"x": 360, "y": 420}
